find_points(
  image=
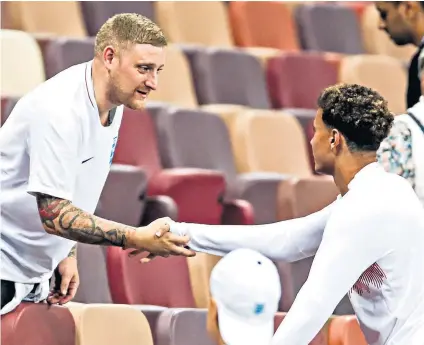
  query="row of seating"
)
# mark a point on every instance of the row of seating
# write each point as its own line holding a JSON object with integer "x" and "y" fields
{"x": 276, "y": 25}
{"x": 196, "y": 76}
{"x": 38, "y": 324}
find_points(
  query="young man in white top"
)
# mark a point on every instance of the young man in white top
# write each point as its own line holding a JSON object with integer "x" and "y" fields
{"x": 368, "y": 243}
{"x": 56, "y": 150}
{"x": 245, "y": 292}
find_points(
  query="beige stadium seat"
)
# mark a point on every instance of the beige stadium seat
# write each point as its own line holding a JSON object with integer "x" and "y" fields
{"x": 377, "y": 41}
{"x": 62, "y": 18}
{"x": 383, "y": 73}
{"x": 22, "y": 66}
{"x": 262, "y": 54}
{"x": 197, "y": 22}
{"x": 110, "y": 324}
{"x": 269, "y": 141}
{"x": 200, "y": 268}
{"x": 175, "y": 82}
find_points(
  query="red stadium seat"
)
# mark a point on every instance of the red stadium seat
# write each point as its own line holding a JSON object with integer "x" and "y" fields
{"x": 196, "y": 192}
{"x": 162, "y": 282}
{"x": 295, "y": 80}
{"x": 38, "y": 324}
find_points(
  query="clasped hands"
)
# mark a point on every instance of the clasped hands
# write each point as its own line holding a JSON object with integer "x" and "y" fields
{"x": 157, "y": 240}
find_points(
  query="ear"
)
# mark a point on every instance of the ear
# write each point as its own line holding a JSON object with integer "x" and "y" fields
{"x": 335, "y": 139}
{"x": 109, "y": 53}
{"x": 409, "y": 9}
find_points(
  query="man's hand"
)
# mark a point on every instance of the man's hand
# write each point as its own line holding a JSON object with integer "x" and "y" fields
{"x": 66, "y": 282}
{"x": 158, "y": 241}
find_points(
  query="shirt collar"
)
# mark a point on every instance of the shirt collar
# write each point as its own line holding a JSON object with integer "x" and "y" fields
{"x": 89, "y": 83}
{"x": 366, "y": 171}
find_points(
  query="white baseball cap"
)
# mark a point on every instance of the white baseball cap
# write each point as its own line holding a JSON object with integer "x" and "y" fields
{"x": 246, "y": 288}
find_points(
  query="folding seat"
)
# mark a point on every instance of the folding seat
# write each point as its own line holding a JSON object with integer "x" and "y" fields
{"x": 110, "y": 324}
{"x": 183, "y": 327}
{"x": 198, "y": 22}
{"x": 162, "y": 282}
{"x": 175, "y": 82}
{"x": 270, "y": 142}
{"x": 306, "y": 119}
{"x": 61, "y": 18}
{"x": 345, "y": 330}
{"x": 317, "y": 24}
{"x": 62, "y": 53}
{"x": 377, "y": 41}
{"x": 178, "y": 129}
{"x": 96, "y": 13}
{"x": 228, "y": 77}
{"x": 263, "y": 24}
{"x": 7, "y": 105}
{"x": 38, "y": 324}
{"x": 21, "y": 63}
{"x": 384, "y": 74}
{"x": 295, "y": 80}
{"x": 137, "y": 146}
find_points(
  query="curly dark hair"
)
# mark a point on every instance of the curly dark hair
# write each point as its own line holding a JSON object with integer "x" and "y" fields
{"x": 359, "y": 113}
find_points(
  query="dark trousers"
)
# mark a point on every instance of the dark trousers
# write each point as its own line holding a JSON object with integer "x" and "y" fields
{"x": 7, "y": 292}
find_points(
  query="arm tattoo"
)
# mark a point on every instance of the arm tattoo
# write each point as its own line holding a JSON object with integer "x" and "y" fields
{"x": 73, "y": 252}
{"x": 63, "y": 219}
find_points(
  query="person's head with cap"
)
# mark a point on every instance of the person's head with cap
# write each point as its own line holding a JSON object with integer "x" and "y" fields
{"x": 245, "y": 293}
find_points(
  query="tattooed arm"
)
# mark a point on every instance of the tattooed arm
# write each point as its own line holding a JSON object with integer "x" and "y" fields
{"x": 59, "y": 217}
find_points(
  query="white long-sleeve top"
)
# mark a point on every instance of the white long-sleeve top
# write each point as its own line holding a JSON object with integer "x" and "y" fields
{"x": 368, "y": 243}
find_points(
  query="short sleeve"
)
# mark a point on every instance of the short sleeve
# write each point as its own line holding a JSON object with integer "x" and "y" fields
{"x": 54, "y": 144}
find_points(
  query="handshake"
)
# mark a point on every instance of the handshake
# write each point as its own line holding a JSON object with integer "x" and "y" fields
{"x": 157, "y": 239}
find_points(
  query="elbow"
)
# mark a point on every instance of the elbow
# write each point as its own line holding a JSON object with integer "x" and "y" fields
{"x": 48, "y": 225}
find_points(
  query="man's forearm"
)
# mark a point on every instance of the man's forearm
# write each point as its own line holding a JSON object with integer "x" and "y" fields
{"x": 61, "y": 218}
{"x": 288, "y": 241}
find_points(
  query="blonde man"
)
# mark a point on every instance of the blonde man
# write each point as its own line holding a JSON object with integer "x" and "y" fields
{"x": 57, "y": 147}
{"x": 245, "y": 292}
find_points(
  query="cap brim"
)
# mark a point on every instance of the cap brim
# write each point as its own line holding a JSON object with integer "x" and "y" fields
{"x": 235, "y": 331}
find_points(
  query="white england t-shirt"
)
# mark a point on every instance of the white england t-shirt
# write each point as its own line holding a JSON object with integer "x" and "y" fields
{"x": 52, "y": 143}
{"x": 369, "y": 244}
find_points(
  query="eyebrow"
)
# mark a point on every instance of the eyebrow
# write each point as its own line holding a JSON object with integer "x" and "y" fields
{"x": 152, "y": 65}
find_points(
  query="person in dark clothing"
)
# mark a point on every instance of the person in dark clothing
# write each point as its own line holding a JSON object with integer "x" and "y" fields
{"x": 404, "y": 23}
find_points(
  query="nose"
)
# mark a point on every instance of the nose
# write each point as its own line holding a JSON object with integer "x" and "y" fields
{"x": 152, "y": 81}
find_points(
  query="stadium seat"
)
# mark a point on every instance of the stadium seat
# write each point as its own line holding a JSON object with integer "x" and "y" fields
{"x": 306, "y": 119}
{"x": 175, "y": 82}
{"x": 38, "y": 324}
{"x": 62, "y": 53}
{"x": 110, "y": 325}
{"x": 345, "y": 330}
{"x": 377, "y": 41}
{"x": 227, "y": 77}
{"x": 61, "y": 18}
{"x": 22, "y": 66}
{"x": 269, "y": 141}
{"x": 384, "y": 74}
{"x": 123, "y": 196}
{"x": 163, "y": 282}
{"x": 7, "y": 105}
{"x": 263, "y": 24}
{"x": 317, "y": 24}
{"x": 319, "y": 339}
{"x": 137, "y": 145}
{"x": 183, "y": 327}
{"x": 200, "y": 22}
{"x": 94, "y": 285}
{"x": 295, "y": 80}
{"x": 96, "y": 13}
{"x": 179, "y": 129}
